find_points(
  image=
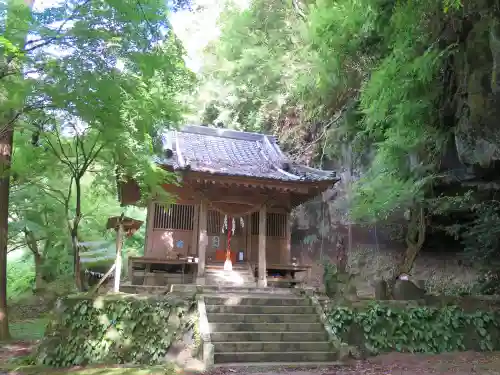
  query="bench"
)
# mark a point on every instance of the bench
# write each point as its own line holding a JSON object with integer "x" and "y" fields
{"x": 283, "y": 275}
{"x": 161, "y": 272}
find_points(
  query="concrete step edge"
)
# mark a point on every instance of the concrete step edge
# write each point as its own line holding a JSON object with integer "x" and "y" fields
{"x": 257, "y": 332}
{"x": 266, "y": 323}
{"x": 265, "y": 306}
{"x": 270, "y": 353}
{"x": 280, "y": 364}
{"x": 280, "y": 342}
{"x": 255, "y": 296}
{"x": 261, "y": 314}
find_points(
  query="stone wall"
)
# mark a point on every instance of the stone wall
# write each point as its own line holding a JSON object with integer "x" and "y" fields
{"x": 431, "y": 325}
{"x": 376, "y": 252}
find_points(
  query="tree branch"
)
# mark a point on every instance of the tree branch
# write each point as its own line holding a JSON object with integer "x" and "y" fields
{"x": 44, "y": 42}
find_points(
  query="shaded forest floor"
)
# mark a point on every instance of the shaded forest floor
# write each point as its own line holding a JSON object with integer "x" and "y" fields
{"x": 28, "y": 320}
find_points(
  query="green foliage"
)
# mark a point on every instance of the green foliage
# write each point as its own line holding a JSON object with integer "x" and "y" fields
{"x": 96, "y": 83}
{"x": 113, "y": 329}
{"x": 330, "y": 278}
{"x": 372, "y": 62}
{"x": 20, "y": 277}
{"x": 383, "y": 328}
{"x": 28, "y": 329}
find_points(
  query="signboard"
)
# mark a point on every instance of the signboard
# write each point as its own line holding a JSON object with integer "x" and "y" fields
{"x": 215, "y": 242}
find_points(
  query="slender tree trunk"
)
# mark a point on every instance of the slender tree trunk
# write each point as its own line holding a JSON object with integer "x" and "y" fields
{"x": 6, "y": 144}
{"x": 6, "y": 139}
{"x": 414, "y": 239}
{"x": 33, "y": 246}
{"x": 39, "y": 283}
{"x": 74, "y": 235}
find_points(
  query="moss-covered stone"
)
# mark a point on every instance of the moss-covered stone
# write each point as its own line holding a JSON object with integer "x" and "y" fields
{"x": 115, "y": 328}
{"x": 414, "y": 326}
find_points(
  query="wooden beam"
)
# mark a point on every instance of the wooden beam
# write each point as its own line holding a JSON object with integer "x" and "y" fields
{"x": 288, "y": 237}
{"x": 103, "y": 279}
{"x": 196, "y": 228}
{"x": 149, "y": 226}
{"x": 262, "y": 282}
{"x": 299, "y": 186}
{"x": 203, "y": 238}
{"x": 118, "y": 262}
{"x": 248, "y": 236}
{"x": 251, "y": 196}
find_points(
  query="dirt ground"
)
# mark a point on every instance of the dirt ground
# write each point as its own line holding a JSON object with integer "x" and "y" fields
{"x": 466, "y": 363}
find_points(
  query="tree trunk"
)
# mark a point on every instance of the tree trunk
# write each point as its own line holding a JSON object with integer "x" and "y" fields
{"x": 414, "y": 239}
{"x": 6, "y": 141}
{"x": 39, "y": 283}
{"x": 33, "y": 246}
{"x": 74, "y": 235}
{"x": 6, "y": 144}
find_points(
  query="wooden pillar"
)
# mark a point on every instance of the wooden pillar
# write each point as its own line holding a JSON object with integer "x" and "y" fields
{"x": 149, "y": 227}
{"x": 203, "y": 238}
{"x": 118, "y": 261}
{"x": 248, "y": 240}
{"x": 262, "y": 282}
{"x": 196, "y": 230}
{"x": 288, "y": 239}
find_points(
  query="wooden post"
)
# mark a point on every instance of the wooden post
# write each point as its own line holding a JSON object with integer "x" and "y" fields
{"x": 104, "y": 278}
{"x": 203, "y": 238}
{"x": 288, "y": 239}
{"x": 248, "y": 235}
{"x": 262, "y": 282}
{"x": 118, "y": 261}
{"x": 149, "y": 226}
{"x": 130, "y": 271}
{"x": 196, "y": 229}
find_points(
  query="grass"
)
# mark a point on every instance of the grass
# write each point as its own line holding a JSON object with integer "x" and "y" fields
{"x": 28, "y": 330}
{"x": 36, "y": 370}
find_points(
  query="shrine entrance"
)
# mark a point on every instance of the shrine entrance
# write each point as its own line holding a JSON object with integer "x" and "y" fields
{"x": 232, "y": 202}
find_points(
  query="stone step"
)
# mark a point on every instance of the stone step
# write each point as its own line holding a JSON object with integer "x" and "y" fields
{"x": 239, "y": 357}
{"x": 259, "y": 309}
{"x": 213, "y": 289}
{"x": 266, "y": 327}
{"x": 272, "y": 346}
{"x": 257, "y": 300}
{"x": 260, "y": 318}
{"x": 228, "y": 273}
{"x": 218, "y": 284}
{"x": 220, "y": 266}
{"x": 268, "y": 336}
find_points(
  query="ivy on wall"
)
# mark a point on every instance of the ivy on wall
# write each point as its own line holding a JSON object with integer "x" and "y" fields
{"x": 113, "y": 329}
{"x": 380, "y": 328}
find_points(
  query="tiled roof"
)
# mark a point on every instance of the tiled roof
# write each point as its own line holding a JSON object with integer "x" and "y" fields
{"x": 233, "y": 153}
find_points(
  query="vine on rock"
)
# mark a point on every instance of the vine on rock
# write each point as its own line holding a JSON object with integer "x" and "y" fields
{"x": 113, "y": 329}
{"x": 383, "y": 328}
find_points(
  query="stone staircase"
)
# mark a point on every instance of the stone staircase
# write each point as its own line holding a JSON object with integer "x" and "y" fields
{"x": 240, "y": 276}
{"x": 266, "y": 328}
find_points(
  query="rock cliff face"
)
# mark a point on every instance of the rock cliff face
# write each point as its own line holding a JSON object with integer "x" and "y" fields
{"x": 476, "y": 71}
{"x": 469, "y": 110}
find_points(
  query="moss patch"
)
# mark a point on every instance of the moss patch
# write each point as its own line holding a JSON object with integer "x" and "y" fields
{"x": 378, "y": 327}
